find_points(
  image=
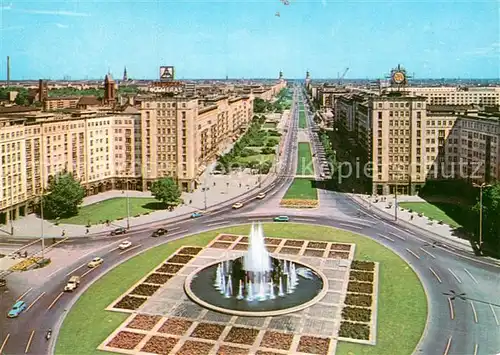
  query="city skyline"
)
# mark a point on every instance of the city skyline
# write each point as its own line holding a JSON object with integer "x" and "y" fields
{"x": 246, "y": 40}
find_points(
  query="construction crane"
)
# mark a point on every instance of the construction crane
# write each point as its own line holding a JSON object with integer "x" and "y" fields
{"x": 341, "y": 77}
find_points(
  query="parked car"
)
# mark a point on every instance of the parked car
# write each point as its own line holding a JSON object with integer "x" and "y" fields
{"x": 3, "y": 282}
{"x": 196, "y": 214}
{"x": 16, "y": 310}
{"x": 159, "y": 232}
{"x": 124, "y": 245}
{"x": 119, "y": 231}
{"x": 281, "y": 219}
{"x": 95, "y": 262}
{"x": 237, "y": 205}
{"x": 73, "y": 283}
{"x": 261, "y": 195}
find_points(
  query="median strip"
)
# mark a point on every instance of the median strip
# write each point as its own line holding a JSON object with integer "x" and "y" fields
{"x": 35, "y": 301}
{"x": 29, "y": 342}
{"x": 55, "y": 300}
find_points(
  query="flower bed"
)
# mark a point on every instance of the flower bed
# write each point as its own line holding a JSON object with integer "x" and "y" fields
{"x": 313, "y": 345}
{"x": 340, "y": 247}
{"x": 354, "y": 331}
{"x": 158, "y": 279}
{"x": 317, "y": 245}
{"x": 25, "y": 264}
{"x": 143, "y": 322}
{"x": 338, "y": 255}
{"x": 240, "y": 246}
{"x": 277, "y": 340}
{"x": 126, "y": 340}
{"x": 170, "y": 268}
{"x": 243, "y": 240}
{"x": 358, "y": 300}
{"x": 232, "y": 350}
{"x": 359, "y": 287}
{"x": 130, "y": 302}
{"x": 180, "y": 259}
{"x": 190, "y": 251}
{"x": 272, "y": 241}
{"x": 159, "y": 345}
{"x": 145, "y": 290}
{"x": 294, "y": 243}
{"x": 312, "y": 252}
{"x": 363, "y": 265}
{"x": 296, "y": 203}
{"x": 175, "y": 326}
{"x": 260, "y": 352}
{"x": 191, "y": 347}
{"x": 241, "y": 335}
{"x": 356, "y": 314}
{"x": 361, "y": 276}
{"x": 292, "y": 251}
{"x": 219, "y": 245}
{"x": 207, "y": 331}
{"x": 227, "y": 238}
{"x": 271, "y": 248}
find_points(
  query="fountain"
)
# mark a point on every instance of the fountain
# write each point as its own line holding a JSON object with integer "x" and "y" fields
{"x": 261, "y": 283}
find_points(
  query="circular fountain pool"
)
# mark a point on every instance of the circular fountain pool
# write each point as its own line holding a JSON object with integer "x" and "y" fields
{"x": 226, "y": 287}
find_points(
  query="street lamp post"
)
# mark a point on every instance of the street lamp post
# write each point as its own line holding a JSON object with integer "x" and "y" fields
{"x": 41, "y": 226}
{"x": 205, "y": 196}
{"x": 128, "y": 205}
{"x": 481, "y": 187}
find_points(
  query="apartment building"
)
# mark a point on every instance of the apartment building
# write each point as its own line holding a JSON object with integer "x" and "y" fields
{"x": 456, "y": 95}
{"x": 182, "y": 137}
{"x": 409, "y": 141}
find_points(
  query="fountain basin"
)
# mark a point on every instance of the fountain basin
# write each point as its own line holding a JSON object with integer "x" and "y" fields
{"x": 199, "y": 288}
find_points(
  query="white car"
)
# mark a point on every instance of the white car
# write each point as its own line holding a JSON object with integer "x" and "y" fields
{"x": 261, "y": 195}
{"x": 95, "y": 262}
{"x": 124, "y": 245}
{"x": 237, "y": 205}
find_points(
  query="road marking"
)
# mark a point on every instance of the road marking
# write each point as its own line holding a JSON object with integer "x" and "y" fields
{"x": 471, "y": 276}
{"x": 173, "y": 229}
{"x": 114, "y": 249}
{"x": 305, "y": 219}
{"x": 72, "y": 271}
{"x": 412, "y": 253}
{"x": 474, "y": 312}
{"x": 17, "y": 244}
{"x": 216, "y": 223}
{"x": 409, "y": 232}
{"x": 4, "y": 342}
{"x": 129, "y": 249}
{"x": 181, "y": 231}
{"x": 35, "y": 301}
{"x": 425, "y": 251}
{"x": 397, "y": 236}
{"x": 476, "y": 347}
{"x": 55, "y": 300}
{"x": 350, "y": 226}
{"x": 494, "y": 315}
{"x": 386, "y": 237}
{"x": 436, "y": 275}
{"x": 448, "y": 346}
{"x": 452, "y": 312}
{"x": 455, "y": 275}
{"x": 21, "y": 297}
{"x": 29, "y": 342}
{"x": 88, "y": 271}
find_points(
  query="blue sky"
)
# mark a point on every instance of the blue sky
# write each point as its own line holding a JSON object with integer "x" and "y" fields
{"x": 244, "y": 39}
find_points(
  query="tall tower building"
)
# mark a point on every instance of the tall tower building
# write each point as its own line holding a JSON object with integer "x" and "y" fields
{"x": 43, "y": 90}
{"x": 109, "y": 89}
{"x": 281, "y": 75}
{"x": 125, "y": 77}
{"x": 8, "y": 70}
{"x": 308, "y": 79}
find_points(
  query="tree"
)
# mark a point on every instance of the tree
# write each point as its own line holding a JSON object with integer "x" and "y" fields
{"x": 491, "y": 222}
{"x": 64, "y": 197}
{"x": 166, "y": 191}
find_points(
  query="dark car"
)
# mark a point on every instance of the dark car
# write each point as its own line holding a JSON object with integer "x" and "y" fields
{"x": 119, "y": 231}
{"x": 159, "y": 232}
{"x": 3, "y": 282}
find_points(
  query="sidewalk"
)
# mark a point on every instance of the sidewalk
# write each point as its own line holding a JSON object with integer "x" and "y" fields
{"x": 440, "y": 230}
{"x": 221, "y": 188}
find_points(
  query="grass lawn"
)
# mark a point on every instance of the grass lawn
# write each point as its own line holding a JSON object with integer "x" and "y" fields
{"x": 302, "y": 119}
{"x": 305, "y": 164}
{"x": 258, "y": 157}
{"x": 449, "y": 213}
{"x": 301, "y": 189}
{"x": 402, "y": 305}
{"x": 270, "y": 125}
{"x": 113, "y": 209}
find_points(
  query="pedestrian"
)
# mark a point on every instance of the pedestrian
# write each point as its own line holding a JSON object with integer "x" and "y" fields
{"x": 25, "y": 254}
{"x": 214, "y": 183}
{"x": 411, "y": 218}
{"x": 87, "y": 231}
{"x": 63, "y": 233}
{"x": 190, "y": 201}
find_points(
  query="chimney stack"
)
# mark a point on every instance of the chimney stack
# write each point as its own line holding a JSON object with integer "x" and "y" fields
{"x": 8, "y": 70}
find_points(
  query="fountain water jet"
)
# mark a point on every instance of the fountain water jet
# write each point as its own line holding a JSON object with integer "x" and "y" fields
{"x": 280, "y": 290}
{"x": 229, "y": 289}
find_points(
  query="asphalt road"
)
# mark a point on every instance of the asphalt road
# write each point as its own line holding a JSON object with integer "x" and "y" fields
{"x": 455, "y": 325}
